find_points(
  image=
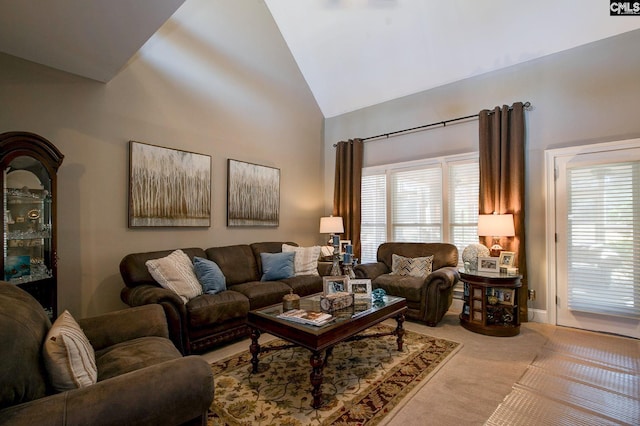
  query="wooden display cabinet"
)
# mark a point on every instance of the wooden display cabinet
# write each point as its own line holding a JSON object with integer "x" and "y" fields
{"x": 29, "y": 166}
{"x": 491, "y": 303}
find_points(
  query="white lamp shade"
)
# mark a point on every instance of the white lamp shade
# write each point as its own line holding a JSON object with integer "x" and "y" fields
{"x": 496, "y": 225}
{"x": 331, "y": 225}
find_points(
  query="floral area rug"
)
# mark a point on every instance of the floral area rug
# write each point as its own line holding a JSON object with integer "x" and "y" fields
{"x": 364, "y": 381}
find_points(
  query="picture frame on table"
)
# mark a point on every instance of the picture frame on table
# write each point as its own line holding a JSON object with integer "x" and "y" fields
{"x": 507, "y": 258}
{"x": 488, "y": 264}
{"x": 334, "y": 284}
{"x": 343, "y": 245}
{"x": 361, "y": 288}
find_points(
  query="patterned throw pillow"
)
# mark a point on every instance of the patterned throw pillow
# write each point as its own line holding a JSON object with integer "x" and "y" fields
{"x": 68, "y": 355}
{"x": 412, "y": 266}
{"x": 306, "y": 259}
{"x": 175, "y": 272}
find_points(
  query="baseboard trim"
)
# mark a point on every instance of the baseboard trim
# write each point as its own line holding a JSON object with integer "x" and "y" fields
{"x": 538, "y": 315}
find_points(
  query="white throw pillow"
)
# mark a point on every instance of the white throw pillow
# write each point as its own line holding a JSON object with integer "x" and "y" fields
{"x": 175, "y": 272}
{"x": 68, "y": 355}
{"x": 306, "y": 259}
{"x": 411, "y": 266}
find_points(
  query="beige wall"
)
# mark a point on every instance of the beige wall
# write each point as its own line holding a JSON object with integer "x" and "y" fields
{"x": 585, "y": 95}
{"x": 243, "y": 99}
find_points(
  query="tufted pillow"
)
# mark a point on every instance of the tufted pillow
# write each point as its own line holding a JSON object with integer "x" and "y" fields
{"x": 412, "y": 266}
{"x": 210, "y": 275}
{"x": 277, "y": 266}
{"x": 175, "y": 272}
{"x": 305, "y": 260}
{"x": 68, "y": 355}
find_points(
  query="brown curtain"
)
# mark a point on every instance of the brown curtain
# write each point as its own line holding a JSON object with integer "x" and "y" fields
{"x": 346, "y": 193}
{"x": 502, "y": 164}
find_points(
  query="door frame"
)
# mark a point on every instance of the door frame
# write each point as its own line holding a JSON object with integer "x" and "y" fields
{"x": 550, "y": 156}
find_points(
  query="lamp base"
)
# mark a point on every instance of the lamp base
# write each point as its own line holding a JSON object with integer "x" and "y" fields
{"x": 495, "y": 250}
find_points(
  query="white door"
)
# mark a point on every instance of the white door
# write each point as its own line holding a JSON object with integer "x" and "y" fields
{"x": 597, "y": 227}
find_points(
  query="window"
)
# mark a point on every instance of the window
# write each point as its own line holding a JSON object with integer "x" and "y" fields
{"x": 431, "y": 200}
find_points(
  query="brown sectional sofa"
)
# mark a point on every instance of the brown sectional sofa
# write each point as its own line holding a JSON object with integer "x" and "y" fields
{"x": 210, "y": 320}
{"x": 428, "y": 299}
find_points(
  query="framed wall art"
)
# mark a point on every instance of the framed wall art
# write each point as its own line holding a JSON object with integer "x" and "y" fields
{"x": 253, "y": 194}
{"x": 168, "y": 187}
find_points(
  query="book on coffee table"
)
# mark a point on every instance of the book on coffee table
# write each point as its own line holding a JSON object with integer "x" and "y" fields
{"x": 306, "y": 317}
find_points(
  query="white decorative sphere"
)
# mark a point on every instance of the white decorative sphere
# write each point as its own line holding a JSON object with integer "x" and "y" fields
{"x": 471, "y": 253}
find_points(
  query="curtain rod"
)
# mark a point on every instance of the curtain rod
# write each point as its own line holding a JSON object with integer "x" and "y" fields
{"x": 526, "y": 105}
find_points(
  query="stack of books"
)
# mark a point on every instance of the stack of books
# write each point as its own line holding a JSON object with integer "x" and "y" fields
{"x": 306, "y": 317}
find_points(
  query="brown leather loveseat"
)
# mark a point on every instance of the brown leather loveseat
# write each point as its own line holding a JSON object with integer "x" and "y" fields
{"x": 428, "y": 298}
{"x": 142, "y": 378}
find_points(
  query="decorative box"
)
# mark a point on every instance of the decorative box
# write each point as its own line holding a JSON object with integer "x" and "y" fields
{"x": 290, "y": 301}
{"x": 335, "y": 301}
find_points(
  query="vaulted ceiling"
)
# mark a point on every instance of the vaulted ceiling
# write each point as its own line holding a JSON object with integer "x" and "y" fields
{"x": 352, "y": 53}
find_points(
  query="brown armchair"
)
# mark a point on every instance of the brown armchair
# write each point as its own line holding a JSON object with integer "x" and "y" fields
{"x": 428, "y": 299}
{"x": 142, "y": 378}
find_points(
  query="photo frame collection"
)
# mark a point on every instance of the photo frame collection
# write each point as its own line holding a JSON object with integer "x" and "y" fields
{"x": 361, "y": 288}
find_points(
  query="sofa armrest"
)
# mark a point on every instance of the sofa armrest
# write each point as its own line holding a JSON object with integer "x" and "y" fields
{"x": 445, "y": 277}
{"x": 172, "y": 392}
{"x": 370, "y": 270}
{"x": 174, "y": 309}
{"x": 127, "y": 324}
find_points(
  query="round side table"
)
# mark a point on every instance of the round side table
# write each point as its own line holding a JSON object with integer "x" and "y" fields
{"x": 490, "y": 303}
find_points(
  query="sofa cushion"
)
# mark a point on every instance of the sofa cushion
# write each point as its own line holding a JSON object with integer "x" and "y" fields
{"x": 175, "y": 272}
{"x": 236, "y": 262}
{"x": 208, "y": 309}
{"x": 263, "y": 293}
{"x": 306, "y": 259}
{"x": 401, "y": 285}
{"x": 444, "y": 254}
{"x": 133, "y": 355}
{"x": 276, "y": 266}
{"x": 23, "y": 328}
{"x": 210, "y": 275}
{"x": 412, "y": 266}
{"x": 304, "y": 285}
{"x": 68, "y": 355}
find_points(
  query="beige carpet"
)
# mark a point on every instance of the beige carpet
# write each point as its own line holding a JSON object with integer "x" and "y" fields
{"x": 365, "y": 382}
{"x": 578, "y": 378}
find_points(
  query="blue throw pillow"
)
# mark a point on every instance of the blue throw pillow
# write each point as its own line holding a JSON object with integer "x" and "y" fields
{"x": 276, "y": 266}
{"x": 210, "y": 275}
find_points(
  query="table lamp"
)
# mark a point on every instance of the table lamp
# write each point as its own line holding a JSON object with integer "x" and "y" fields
{"x": 496, "y": 226}
{"x": 333, "y": 225}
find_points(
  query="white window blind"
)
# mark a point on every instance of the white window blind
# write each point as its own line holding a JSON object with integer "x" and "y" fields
{"x": 373, "y": 230}
{"x": 464, "y": 182}
{"x": 417, "y": 204}
{"x": 604, "y": 238}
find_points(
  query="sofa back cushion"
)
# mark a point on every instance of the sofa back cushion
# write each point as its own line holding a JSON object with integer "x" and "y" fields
{"x": 23, "y": 328}
{"x": 444, "y": 254}
{"x": 267, "y": 247}
{"x": 134, "y": 271}
{"x": 237, "y": 263}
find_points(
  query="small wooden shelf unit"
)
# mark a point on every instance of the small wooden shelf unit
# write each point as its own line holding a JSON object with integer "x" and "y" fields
{"x": 490, "y": 303}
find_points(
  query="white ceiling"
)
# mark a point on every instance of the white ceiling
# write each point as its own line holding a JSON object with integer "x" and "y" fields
{"x": 352, "y": 53}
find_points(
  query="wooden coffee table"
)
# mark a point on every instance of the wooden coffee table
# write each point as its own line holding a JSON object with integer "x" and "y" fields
{"x": 346, "y": 325}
